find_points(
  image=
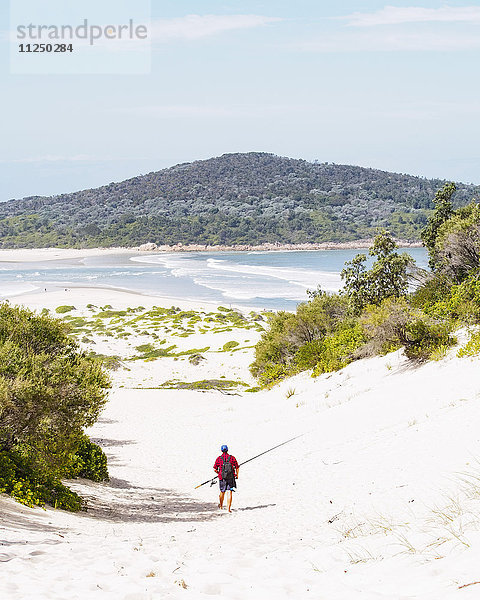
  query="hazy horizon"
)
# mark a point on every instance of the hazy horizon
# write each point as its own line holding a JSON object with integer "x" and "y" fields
{"x": 390, "y": 87}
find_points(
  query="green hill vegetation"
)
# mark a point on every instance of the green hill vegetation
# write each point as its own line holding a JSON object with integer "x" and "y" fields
{"x": 376, "y": 313}
{"x": 250, "y": 198}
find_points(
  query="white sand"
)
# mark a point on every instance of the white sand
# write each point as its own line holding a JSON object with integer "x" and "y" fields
{"x": 43, "y": 254}
{"x": 367, "y": 504}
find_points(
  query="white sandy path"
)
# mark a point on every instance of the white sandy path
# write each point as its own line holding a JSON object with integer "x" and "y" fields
{"x": 381, "y": 439}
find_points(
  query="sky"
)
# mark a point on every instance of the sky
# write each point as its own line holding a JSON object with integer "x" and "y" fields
{"x": 390, "y": 86}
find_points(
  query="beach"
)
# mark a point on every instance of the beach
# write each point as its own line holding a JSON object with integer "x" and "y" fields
{"x": 41, "y": 254}
{"x": 261, "y": 280}
{"x": 371, "y": 501}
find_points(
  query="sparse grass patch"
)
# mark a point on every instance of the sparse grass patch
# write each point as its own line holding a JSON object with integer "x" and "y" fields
{"x": 144, "y": 348}
{"x": 110, "y": 362}
{"x": 229, "y": 346}
{"x": 106, "y": 314}
{"x": 204, "y": 384}
{"x": 64, "y": 309}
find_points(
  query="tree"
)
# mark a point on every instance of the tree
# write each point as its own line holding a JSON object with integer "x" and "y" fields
{"x": 442, "y": 212}
{"x": 276, "y": 351}
{"x": 387, "y": 278}
{"x": 457, "y": 246}
{"x": 49, "y": 390}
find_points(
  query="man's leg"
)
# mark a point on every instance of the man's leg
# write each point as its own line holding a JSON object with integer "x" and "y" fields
{"x": 221, "y": 497}
{"x": 230, "y": 501}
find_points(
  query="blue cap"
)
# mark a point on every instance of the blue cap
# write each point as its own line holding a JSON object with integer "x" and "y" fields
{"x": 224, "y": 448}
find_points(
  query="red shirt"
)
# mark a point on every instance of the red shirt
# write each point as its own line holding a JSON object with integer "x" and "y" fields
{"x": 219, "y": 462}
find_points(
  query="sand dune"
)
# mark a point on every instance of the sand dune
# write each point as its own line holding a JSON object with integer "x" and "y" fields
{"x": 367, "y": 504}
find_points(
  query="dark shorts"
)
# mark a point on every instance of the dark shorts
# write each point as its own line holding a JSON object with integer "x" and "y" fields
{"x": 227, "y": 486}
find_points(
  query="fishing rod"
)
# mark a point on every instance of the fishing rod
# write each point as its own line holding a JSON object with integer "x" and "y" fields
{"x": 212, "y": 481}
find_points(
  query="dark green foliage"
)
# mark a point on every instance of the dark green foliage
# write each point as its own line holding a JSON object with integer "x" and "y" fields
{"x": 442, "y": 212}
{"x": 292, "y": 340}
{"x": 425, "y": 335}
{"x": 88, "y": 461}
{"x": 375, "y": 314}
{"x": 394, "y": 324}
{"x": 49, "y": 392}
{"x": 457, "y": 246}
{"x": 22, "y": 482}
{"x": 234, "y": 199}
{"x": 338, "y": 349}
{"x": 388, "y": 277}
{"x": 460, "y": 302}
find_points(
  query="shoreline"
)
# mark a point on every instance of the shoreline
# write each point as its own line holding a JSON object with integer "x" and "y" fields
{"x": 120, "y": 298}
{"x": 270, "y": 247}
{"x": 46, "y": 254}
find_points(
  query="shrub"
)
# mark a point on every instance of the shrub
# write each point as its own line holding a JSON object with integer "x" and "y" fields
{"x": 88, "y": 461}
{"x": 434, "y": 289}
{"x": 394, "y": 324}
{"x": 457, "y": 247}
{"x": 19, "y": 480}
{"x": 426, "y": 337}
{"x": 49, "y": 392}
{"x": 472, "y": 347}
{"x": 463, "y": 303}
{"x": 273, "y": 373}
{"x": 64, "y": 309}
{"x": 144, "y": 347}
{"x": 384, "y": 325}
{"x": 442, "y": 213}
{"x": 283, "y": 343}
{"x": 339, "y": 348}
{"x": 308, "y": 355}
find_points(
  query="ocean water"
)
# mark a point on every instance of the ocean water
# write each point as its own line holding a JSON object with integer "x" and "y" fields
{"x": 274, "y": 280}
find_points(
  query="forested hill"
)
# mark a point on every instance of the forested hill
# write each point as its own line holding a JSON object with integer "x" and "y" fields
{"x": 234, "y": 199}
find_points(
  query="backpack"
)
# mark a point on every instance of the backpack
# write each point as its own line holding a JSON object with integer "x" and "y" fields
{"x": 227, "y": 469}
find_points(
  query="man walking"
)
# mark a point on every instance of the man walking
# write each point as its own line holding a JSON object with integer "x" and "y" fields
{"x": 226, "y": 467}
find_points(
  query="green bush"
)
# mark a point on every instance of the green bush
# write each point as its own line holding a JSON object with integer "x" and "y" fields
{"x": 472, "y": 347}
{"x": 425, "y": 337}
{"x": 88, "y": 461}
{"x": 19, "y": 480}
{"x": 338, "y": 349}
{"x": 273, "y": 373}
{"x": 308, "y": 355}
{"x": 434, "y": 290}
{"x": 64, "y": 309}
{"x": 282, "y": 344}
{"x": 395, "y": 323}
{"x": 49, "y": 392}
{"x": 462, "y": 303}
{"x": 144, "y": 348}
